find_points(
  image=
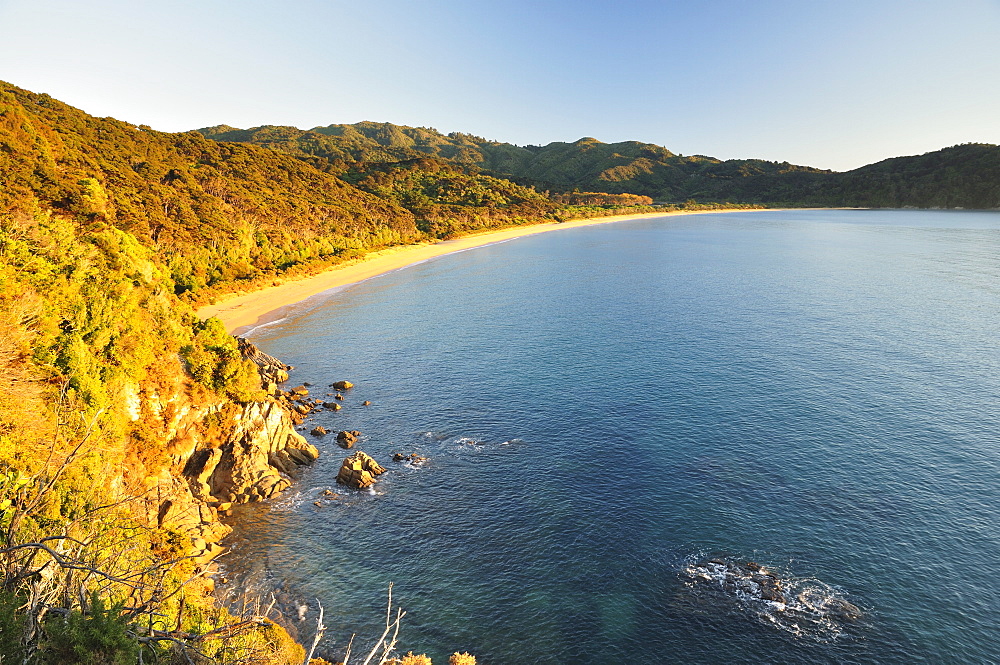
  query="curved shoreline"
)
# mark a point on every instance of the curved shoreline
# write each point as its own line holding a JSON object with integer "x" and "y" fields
{"x": 242, "y": 311}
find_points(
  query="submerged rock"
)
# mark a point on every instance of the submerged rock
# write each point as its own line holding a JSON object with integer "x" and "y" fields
{"x": 747, "y": 578}
{"x": 805, "y": 607}
{"x": 359, "y": 471}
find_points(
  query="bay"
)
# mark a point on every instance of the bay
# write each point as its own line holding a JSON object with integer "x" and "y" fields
{"x": 607, "y": 408}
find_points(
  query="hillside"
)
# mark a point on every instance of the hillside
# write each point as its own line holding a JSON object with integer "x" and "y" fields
{"x": 127, "y": 426}
{"x": 587, "y": 164}
{"x": 215, "y": 212}
{"x": 961, "y": 176}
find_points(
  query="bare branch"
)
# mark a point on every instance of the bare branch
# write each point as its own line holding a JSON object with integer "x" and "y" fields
{"x": 320, "y": 629}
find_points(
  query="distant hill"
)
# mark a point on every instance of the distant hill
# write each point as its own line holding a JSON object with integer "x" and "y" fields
{"x": 588, "y": 164}
{"x": 962, "y": 176}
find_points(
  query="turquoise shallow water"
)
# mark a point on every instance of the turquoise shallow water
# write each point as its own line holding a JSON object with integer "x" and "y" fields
{"x": 606, "y": 407}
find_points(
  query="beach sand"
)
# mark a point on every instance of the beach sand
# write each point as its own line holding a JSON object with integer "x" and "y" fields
{"x": 242, "y": 311}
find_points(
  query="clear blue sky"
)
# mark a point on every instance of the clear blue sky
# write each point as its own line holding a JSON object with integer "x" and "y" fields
{"x": 828, "y": 83}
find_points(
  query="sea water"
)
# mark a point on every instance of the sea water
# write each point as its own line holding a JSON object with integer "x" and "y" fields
{"x": 607, "y": 410}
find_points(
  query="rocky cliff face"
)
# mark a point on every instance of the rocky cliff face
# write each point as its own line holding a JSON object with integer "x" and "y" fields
{"x": 221, "y": 453}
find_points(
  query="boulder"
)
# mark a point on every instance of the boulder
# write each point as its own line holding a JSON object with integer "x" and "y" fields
{"x": 342, "y": 385}
{"x": 338, "y": 396}
{"x": 359, "y": 471}
{"x": 333, "y": 406}
{"x": 366, "y": 403}
{"x": 346, "y": 439}
{"x": 301, "y": 391}
{"x": 319, "y": 430}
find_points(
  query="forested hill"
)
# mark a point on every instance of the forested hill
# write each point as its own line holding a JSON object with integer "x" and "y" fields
{"x": 961, "y": 176}
{"x": 587, "y": 164}
{"x": 215, "y": 211}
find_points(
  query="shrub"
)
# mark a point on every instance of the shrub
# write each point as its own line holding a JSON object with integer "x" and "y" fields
{"x": 11, "y": 627}
{"x": 410, "y": 659}
{"x": 97, "y": 637}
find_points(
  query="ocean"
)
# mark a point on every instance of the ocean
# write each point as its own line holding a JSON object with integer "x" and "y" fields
{"x": 623, "y": 421}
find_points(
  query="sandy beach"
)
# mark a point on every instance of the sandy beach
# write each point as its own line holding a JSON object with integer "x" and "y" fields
{"x": 242, "y": 311}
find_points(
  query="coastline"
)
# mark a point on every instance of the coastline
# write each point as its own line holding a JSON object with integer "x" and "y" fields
{"x": 243, "y": 311}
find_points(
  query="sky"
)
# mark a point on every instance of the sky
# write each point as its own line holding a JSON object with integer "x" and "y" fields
{"x": 827, "y": 83}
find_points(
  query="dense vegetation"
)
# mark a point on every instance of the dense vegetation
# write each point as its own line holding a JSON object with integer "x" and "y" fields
{"x": 962, "y": 176}
{"x": 214, "y": 212}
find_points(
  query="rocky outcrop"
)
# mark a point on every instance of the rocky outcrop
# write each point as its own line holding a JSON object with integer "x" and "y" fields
{"x": 219, "y": 453}
{"x": 359, "y": 471}
{"x": 260, "y": 454}
{"x": 746, "y": 577}
{"x": 177, "y": 509}
{"x": 271, "y": 369}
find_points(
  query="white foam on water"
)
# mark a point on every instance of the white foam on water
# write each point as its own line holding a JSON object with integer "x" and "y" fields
{"x": 811, "y": 609}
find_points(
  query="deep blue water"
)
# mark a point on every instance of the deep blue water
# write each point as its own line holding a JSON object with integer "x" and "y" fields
{"x": 604, "y": 407}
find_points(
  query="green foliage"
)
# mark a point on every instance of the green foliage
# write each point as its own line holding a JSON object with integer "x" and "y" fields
{"x": 12, "y": 625}
{"x": 13, "y": 485}
{"x": 448, "y": 201}
{"x": 214, "y": 360}
{"x": 629, "y": 167}
{"x": 100, "y": 636}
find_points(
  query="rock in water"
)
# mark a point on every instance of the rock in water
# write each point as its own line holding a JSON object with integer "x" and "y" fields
{"x": 319, "y": 430}
{"x": 359, "y": 471}
{"x": 748, "y": 578}
{"x": 412, "y": 458}
{"x": 347, "y": 439}
{"x": 342, "y": 385}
